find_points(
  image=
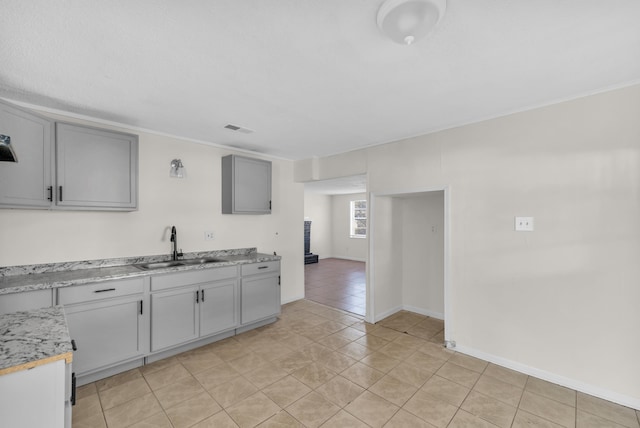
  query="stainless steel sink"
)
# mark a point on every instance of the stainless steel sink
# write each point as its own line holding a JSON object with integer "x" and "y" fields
{"x": 174, "y": 263}
{"x": 201, "y": 261}
{"x": 159, "y": 265}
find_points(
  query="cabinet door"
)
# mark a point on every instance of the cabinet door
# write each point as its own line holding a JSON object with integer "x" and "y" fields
{"x": 26, "y": 183}
{"x": 260, "y": 298}
{"x": 95, "y": 168}
{"x": 246, "y": 185}
{"x": 105, "y": 333}
{"x": 34, "y": 397}
{"x": 218, "y": 307}
{"x": 174, "y": 317}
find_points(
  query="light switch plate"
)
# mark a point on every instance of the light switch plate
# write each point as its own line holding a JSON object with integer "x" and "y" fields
{"x": 209, "y": 235}
{"x": 524, "y": 224}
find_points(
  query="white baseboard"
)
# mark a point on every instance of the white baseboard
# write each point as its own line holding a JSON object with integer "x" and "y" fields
{"x": 413, "y": 309}
{"x": 285, "y": 301}
{"x": 386, "y": 314}
{"x": 425, "y": 312}
{"x": 355, "y": 259}
{"x": 552, "y": 377}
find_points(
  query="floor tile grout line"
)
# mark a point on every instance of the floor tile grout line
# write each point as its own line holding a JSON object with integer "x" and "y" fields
{"x": 156, "y": 397}
{"x": 370, "y": 350}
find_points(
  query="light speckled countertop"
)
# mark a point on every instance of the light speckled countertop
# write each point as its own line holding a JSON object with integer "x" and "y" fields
{"x": 16, "y": 279}
{"x": 36, "y": 337}
{"x": 32, "y": 338}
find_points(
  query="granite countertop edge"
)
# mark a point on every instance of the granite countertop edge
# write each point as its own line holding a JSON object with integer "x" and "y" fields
{"x": 32, "y": 338}
{"x": 58, "y": 275}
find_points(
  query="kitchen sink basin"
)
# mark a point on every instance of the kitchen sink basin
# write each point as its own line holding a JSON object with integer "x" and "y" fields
{"x": 201, "y": 261}
{"x": 159, "y": 265}
{"x": 174, "y": 263}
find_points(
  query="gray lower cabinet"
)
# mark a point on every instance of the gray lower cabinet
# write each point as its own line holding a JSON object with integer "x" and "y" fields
{"x": 95, "y": 168}
{"x": 107, "y": 321}
{"x": 174, "y": 317}
{"x": 117, "y": 324}
{"x": 26, "y": 183}
{"x": 260, "y": 287}
{"x": 186, "y": 306}
{"x": 25, "y": 301}
{"x": 246, "y": 185}
{"x": 218, "y": 306}
{"x": 37, "y": 397}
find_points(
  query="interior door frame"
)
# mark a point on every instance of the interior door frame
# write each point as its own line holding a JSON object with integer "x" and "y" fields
{"x": 370, "y": 316}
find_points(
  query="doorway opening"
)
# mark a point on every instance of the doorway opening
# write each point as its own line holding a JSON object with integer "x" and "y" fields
{"x": 409, "y": 258}
{"x": 337, "y": 237}
{"x": 338, "y": 283}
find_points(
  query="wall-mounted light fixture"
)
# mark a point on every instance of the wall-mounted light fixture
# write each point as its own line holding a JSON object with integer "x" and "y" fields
{"x": 177, "y": 169}
{"x": 7, "y": 154}
{"x": 406, "y": 21}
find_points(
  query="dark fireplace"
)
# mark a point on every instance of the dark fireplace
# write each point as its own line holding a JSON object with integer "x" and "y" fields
{"x": 309, "y": 257}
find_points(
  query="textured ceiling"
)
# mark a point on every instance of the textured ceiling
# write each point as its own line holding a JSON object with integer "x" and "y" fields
{"x": 310, "y": 77}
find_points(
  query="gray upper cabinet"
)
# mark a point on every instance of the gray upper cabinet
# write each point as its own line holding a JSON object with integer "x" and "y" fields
{"x": 26, "y": 183}
{"x": 96, "y": 169}
{"x": 246, "y": 185}
{"x": 66, "y": 166}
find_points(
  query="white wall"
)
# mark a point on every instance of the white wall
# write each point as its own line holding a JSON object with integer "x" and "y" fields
{"x": 560, "y": 302}
{"x": 191, "y": 204}
{"x": 330, "y": 226}
{"x": 387, "y": 259}
{"x": 423, "y": 253}
{"x": 343, "y": 246}
{"x": 317, "y": 208}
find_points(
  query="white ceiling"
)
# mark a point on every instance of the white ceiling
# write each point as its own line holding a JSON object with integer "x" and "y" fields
{"x": 310, "y": 77}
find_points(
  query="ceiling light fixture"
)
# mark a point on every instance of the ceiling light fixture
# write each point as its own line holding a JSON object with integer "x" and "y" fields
{"x": 407, "y": 21}
{"x": 177, "y": 169}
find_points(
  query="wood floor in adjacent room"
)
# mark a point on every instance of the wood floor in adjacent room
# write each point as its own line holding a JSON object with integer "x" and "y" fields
{"x": 337, "y": 283}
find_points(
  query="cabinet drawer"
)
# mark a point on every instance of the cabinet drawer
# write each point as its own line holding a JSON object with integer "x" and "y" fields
{"x": 25, "y": 301}
{"x": 179, "y": 279}
{"x": 264, "y": 267}
{"x": 100, "y": 290}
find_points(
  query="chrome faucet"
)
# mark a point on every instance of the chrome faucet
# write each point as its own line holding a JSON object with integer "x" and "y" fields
{"x": 175, "y": 254}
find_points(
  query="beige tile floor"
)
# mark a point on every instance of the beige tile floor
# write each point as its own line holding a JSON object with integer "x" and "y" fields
{"x": 318, "y": 366}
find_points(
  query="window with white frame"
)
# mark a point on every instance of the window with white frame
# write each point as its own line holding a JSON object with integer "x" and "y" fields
{"x": 358, "y": 219}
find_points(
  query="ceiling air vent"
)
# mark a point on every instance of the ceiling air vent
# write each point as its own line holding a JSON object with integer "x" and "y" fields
{"x": 238, "y": 128}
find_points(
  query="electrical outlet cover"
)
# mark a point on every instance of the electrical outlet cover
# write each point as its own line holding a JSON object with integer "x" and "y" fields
{"x": 524, "y": 224}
